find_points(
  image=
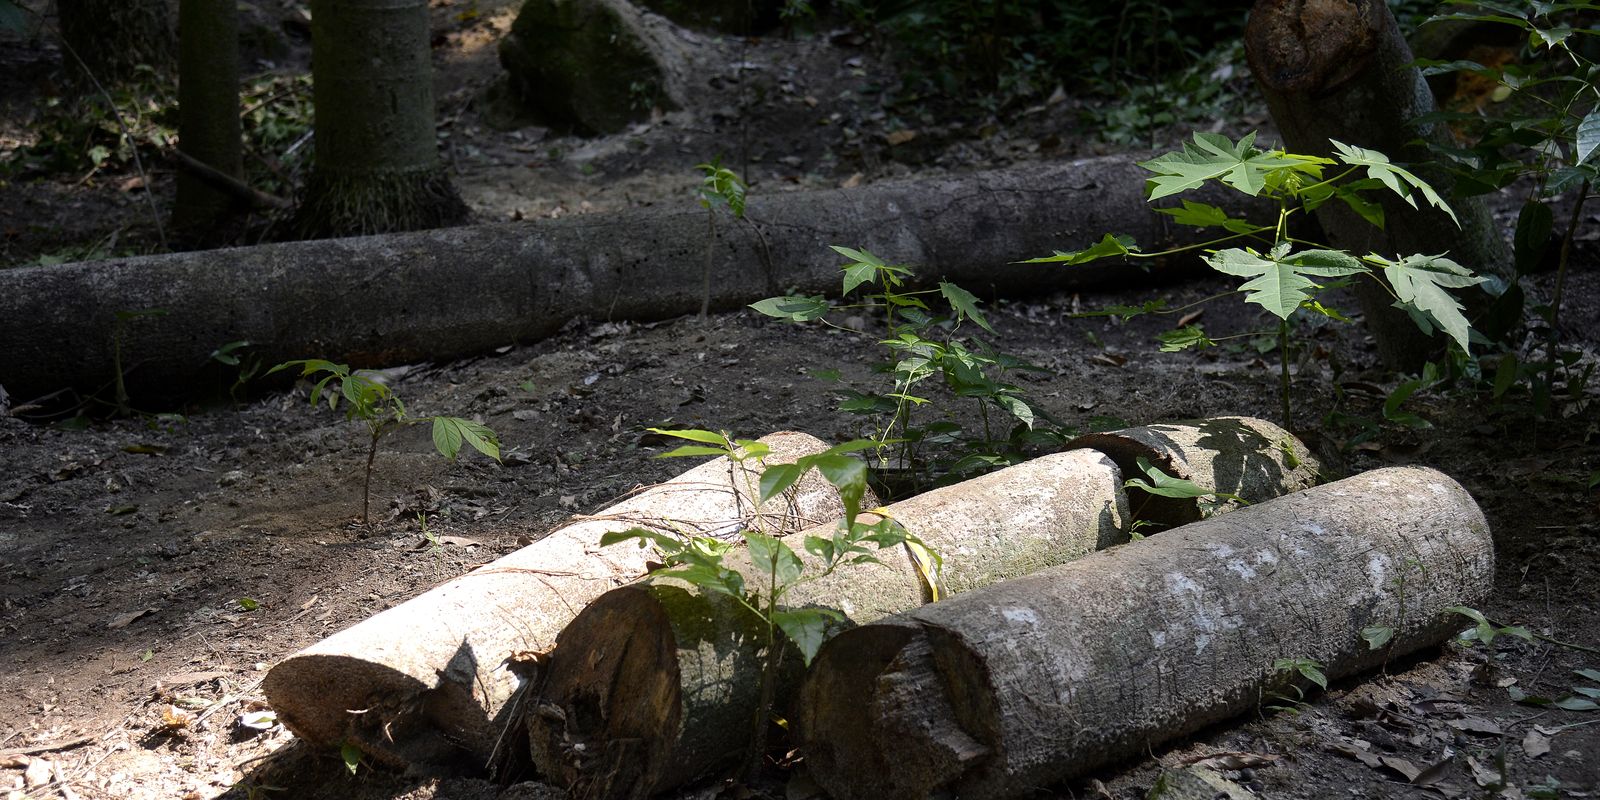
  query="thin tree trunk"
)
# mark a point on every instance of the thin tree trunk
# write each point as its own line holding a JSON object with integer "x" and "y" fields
{"x": 208, "y": 112}
{"x": 377, "y": 168}
{"x": 1338, "y": 69}
{"x": 1008, "y": 689}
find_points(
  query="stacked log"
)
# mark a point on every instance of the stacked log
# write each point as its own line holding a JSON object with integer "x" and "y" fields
{"x": 1000, "y": 691}
{"x": 421, "y": 685}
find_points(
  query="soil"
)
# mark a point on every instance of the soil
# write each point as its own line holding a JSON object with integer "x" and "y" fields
{"x": 154, "y": 567}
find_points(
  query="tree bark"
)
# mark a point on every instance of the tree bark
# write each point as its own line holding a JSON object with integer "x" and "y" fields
{"x": 1338, "y": 69}
{"x": 424, "y": 685}
{"x": 377, "y": 168}
{"x": 111, "y": 39}
{"x": 660, "y": 682}
{"x": 1000, "y": 691}
{"x": 208, "y": 113}
{"x": 397, "y": 299}
{"x": 1244, "y": 456}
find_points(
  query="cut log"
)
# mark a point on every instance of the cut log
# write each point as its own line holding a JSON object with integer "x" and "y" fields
{"x": 398, "y": 299}
{"x": 1243, "y": 456}
{"x": 1339, "y": 69}
{"x": 657, "y": 683}
{"x": 1061, "y": 672}
{"x": 420, "y": 685}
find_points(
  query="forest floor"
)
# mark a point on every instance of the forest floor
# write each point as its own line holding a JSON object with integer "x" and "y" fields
{"x": 153, "y": 568}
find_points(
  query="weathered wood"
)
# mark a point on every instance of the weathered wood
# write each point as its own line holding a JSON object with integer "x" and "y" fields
{"x": 402, "y": 298}
{"x": 656, "y": 684}
{"x": 420, "y": 685}
{"x": 1339, "y": 69}
{"x": 1078, "y": 666}
{"x": 1243, "y": 456}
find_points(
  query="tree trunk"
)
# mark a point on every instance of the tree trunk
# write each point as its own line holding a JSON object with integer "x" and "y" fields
{"x": 1338, "y": 69}
{"x": 1244, "y": 456}
{"x": 382, "y": 301}
{"x": 112, "y": 38}
{"x": 424, "y": 684}
{"x": 660, "y": 682}
{"x": 1000, "y": 691}
{"x": 377, "y": 168}
{"x": 208, "y": 113}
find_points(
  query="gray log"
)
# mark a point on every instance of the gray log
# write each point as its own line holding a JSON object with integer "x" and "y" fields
{"x": 656, "y": 684}
{"x": 420, "y": 685}
{"x": 1243, "y": 456}
{"x": 1051, "y": 675}
{"x": 387, "y": 300}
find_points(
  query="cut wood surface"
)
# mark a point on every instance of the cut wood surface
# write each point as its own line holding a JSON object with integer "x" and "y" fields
{"x": 1243, "y": 456}
{"x": 657, "y": 683}
{"x": 398, "y": 299}
{"x": 420, "y": 684}
{"x": 1003, "y": 690}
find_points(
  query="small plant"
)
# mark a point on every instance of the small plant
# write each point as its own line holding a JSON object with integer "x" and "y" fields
{"x": 376, "y": 405}
{"x": 699, "y": 560}
{"x": 720, "y": 187}
{"x": 247, "y": 364}
{"x": 1284, "y": 274}
{"x": 1157, "y": 483}
{"x": 926, "y": 346}
{"x": 1290, "y": 670}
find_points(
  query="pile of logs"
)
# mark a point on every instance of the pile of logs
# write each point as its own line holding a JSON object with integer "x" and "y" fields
{"x": 1056, "y": 645}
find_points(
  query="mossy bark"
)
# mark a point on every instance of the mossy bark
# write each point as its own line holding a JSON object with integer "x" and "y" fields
{"x": 377, "y": 168}
{"x": 1339, "y": 69}
{"x": 113, "y": 38}
{"x": 208, "y": 112}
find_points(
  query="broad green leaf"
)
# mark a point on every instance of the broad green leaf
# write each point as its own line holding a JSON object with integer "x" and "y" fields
{"x": 1591, "y": 674}
{"x": 1163, "y": 484}
{"x": 1202, "y": 215}
{"x": 1016, "y": 408}
{"x": 854, "y": 446}
{"x": 821, "y": 547}
{"x": 692, "y": 451}
{"x": 1326, "y": 263}
{"x": 1532, "y": 235}
{"x": 858, "y": 256}
{"x": 793, "y": 308}
{"x": 857, "y": 274}
{"x": 806, "y": 627}
{"x": 778, "y": 477}
{"x": 1421, "y": 281}
{"x": 1183, "y": 338}
{"x": 713, "y": 579}
{"x": 965, "y": 303}
{"x": 1377, "y": 636}
{"x": 770, "y": 555}
{"x": 1576, "y": 704}
{"x": 1366, "y": 209}
{"x": 450, "y": 432}
{"x": 1313, "y": 672}
{"x": 1275, "y": 285}
{"x": 1399, "y": 180}
{"x": 1588, "y": 137}
{"x": 1106, "y": 247}
{"x": 849, "y": 476}
{"x": 695, "y": 435}
{"x": 351, "y": 756}
{"x": 1212, "y": 156}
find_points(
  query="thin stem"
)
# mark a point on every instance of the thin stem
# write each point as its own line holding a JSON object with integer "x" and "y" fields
{"x": 1566, "y": 253}
{"x": 711, "y": 241}
{"x": 1283, "y": 361}
{"x": 366, "y": 483}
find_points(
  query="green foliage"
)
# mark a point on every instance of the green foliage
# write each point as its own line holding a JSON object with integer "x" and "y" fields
{"x": 928, "y": 347}
{"x": 1305, "y": 668}
{"x": 82, "y": 135}
{"x": 368, "y": 399}
{"x": 1285, "y": 274}
{"x": 720, "y": 187}
{"x": 276, "y": 123}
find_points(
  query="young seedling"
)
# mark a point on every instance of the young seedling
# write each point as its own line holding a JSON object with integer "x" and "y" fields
{"x": 1284, "y": 273}
{"x": 720, "y": 187}
{"x": 699, "y": 559}
{"x": 376, "y": 405}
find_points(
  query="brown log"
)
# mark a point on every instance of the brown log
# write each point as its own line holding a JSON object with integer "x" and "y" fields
{"x": 1243, "y": 456}
{"x": 657, "y": 683}
{"x": 1339, "y": 69}
{"x": 420, "y": 685}
{"x": 398, "y": 299}
{"x": 1000, "y": 691}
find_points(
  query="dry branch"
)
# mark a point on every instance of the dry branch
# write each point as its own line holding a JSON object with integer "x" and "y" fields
{"x": 1000, "y": 691}
{"x": 420, "y": 685}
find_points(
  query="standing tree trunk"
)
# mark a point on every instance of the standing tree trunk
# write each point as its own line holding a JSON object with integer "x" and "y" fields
{"x": 208, "y": 111}
{"x": 377, "y": 167}
{"x": 1337, "y": 69}
{"x": 112, "y": 38}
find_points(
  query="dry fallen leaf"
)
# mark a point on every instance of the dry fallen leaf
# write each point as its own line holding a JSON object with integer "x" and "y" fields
{"x": 1235, "y": 761}
{"x": 459, "y": 541}
{"x": 1535, "y": 744}
{"x": 127, "y": 619}
{"x": 38, "y": 774}
{"x": 176, "y": 718}
{"x": 1476, "y": 725}
{"x": 1402, "y": 766}
{"x": 900, "y": 137}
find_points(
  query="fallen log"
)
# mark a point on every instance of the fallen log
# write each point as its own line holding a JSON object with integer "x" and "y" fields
{"x": 420, "y": 685}
{"x": 1000, "y": 691}
{"x": 658, "y": 683}
{"x": 387, "y": 300}
{"x": 1249, "y": 458}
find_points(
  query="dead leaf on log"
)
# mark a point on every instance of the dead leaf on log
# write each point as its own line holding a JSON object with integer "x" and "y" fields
{"x": 1535, "y": 744}
{"x": 127, "y": 619}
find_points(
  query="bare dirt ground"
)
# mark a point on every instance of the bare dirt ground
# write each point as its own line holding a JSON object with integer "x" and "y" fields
{"x": 129, "y": 655}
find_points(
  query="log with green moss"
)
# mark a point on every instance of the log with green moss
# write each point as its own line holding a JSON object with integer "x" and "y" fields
{"x": 1001, "y": 691}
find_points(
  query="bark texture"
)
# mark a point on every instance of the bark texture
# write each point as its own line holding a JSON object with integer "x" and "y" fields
{"x": 658, "y": 683}
{"x": 420, "y": 686}
{"x": 1338, "y": 69}
{"x": 112, "y": 38}
{"x": 397, "y": 299}
{"x": 1244, "y": 456}
{"x": 208, "y": 112}
{"x": 377, "y": 168}
{"x": 1058, "y": 673}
